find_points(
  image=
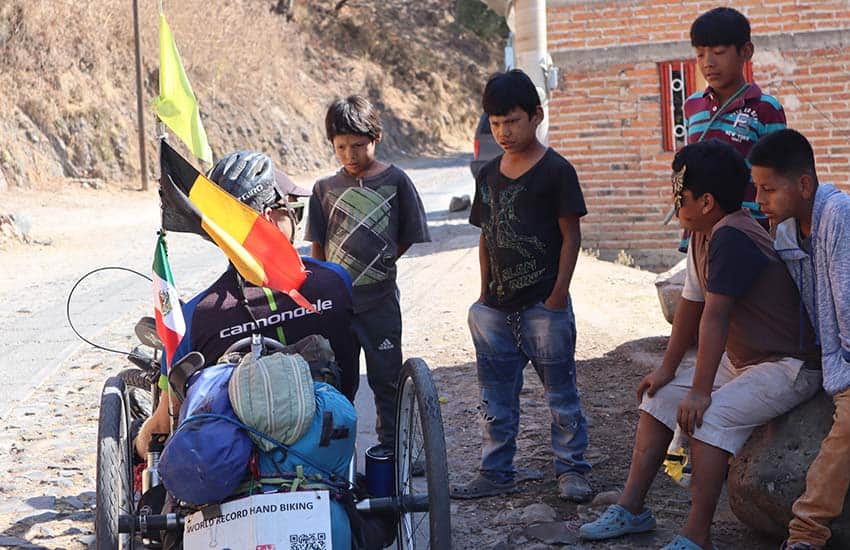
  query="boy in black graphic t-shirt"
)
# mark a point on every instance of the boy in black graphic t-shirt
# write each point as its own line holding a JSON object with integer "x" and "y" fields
{"x": 520, "y": 218}
{"x": 527, "y": 203}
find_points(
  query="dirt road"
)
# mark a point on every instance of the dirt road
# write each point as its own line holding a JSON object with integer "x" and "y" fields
{"x": 47, "y": 439}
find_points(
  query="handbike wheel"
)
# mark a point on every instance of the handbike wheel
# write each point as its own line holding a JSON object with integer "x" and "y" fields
{"x": 138, "y": 384}
{"x": 114, "y": 469}
{"x": 419, "y": 437}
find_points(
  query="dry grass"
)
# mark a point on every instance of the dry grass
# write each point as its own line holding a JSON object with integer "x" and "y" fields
{"x": 67, "y": 71}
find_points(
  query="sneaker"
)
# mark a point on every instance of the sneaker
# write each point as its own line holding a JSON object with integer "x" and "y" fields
{"x": 482, "y": 487}
{"x": 574, "y": 487}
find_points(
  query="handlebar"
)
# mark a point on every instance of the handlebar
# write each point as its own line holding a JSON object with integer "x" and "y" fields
{"x": 150, "y": 523}
{"x": 255, "y": 343}
{"x": 407, "y": 503}
{"x": 143, "y": 360}
{"x": 145, "y": 330}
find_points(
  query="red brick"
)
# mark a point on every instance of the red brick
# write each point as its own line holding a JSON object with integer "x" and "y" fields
{"x": 614, "y": 140}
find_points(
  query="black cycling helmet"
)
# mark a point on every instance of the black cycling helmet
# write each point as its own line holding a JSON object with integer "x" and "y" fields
{"x": 250, "y": 177}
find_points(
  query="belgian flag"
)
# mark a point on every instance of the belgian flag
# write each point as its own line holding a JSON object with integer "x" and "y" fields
{"x": 260, "y": 252}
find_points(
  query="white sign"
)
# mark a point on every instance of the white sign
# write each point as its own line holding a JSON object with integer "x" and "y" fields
{"x": 274, "y": 521}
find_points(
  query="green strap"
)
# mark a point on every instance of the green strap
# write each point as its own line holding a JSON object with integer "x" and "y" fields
{"x": 726, "y": 103}
{"x": 299, "y": 478}
{"x": 273, "y": 306}
{"x": 305, "y": 482}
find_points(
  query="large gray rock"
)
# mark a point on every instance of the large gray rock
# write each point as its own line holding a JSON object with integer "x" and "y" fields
{"x": 458, "y": 204}
{"x": 769, "y": 473}
{"x": 669, "y": 287}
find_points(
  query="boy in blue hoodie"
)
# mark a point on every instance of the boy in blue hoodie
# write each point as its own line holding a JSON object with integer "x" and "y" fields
{"x": 812, "y": 236}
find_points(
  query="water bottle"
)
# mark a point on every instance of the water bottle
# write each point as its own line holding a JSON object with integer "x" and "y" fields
{"x": 150, "y": 476}
{"x": 380, "y": 471}
{"x": 677, "y": 463}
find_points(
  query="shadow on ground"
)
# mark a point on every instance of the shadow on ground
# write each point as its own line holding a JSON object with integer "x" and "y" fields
{"x": 42, "y": 518}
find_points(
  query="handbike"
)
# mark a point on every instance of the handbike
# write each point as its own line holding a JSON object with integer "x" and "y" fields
{"x": 126, "y": 400}
{"x": 421, "y": 503}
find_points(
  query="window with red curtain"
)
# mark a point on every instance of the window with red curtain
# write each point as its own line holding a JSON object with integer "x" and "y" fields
{"x": 679, "y": 80}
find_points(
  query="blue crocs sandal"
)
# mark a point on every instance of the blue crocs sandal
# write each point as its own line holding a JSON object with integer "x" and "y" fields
{"x": 683, "y": 543}
{"x": 616, "y": 521}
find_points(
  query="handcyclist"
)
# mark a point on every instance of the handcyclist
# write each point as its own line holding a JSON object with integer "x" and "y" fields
{"x": 231, "y": 308}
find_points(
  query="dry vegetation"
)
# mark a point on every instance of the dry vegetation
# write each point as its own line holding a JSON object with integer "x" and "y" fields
{"x": 67, "y": 79}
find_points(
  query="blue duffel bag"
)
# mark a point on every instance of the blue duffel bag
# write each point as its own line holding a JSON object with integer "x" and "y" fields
{"x": 328, "y": 445}
{"x": 326, "y": 448}
{"x": 204, "y": 461}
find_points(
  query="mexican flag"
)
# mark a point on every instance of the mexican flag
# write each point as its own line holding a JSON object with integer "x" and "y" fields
{"x": 169, "y": 316}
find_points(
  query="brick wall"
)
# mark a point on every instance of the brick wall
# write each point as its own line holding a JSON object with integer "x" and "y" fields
{"x": 598, "y": 24}
{"x": 606, "y": 115}
{"x": 814, "y": 88}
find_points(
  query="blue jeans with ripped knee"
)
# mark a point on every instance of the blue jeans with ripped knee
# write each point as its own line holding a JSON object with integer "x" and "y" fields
{"x": 504, "y": 344}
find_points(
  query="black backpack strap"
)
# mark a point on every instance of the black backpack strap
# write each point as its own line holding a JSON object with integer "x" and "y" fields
{"x": 183, "y": 370}
{"x": 329, "y": 432}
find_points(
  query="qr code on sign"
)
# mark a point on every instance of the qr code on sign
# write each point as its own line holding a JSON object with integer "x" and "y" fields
{"x": 308, "y": 541}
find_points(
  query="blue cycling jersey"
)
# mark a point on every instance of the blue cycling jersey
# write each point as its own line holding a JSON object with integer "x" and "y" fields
{"x": 219, "y": 316}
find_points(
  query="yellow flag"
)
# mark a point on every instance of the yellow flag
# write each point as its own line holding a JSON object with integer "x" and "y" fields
{"x": 176, "y": 105}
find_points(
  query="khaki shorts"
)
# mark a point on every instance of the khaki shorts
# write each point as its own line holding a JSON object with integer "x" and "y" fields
{"x": 741, "y": 400}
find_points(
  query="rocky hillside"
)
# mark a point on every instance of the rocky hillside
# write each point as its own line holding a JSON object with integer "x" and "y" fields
{"x": 263, "y": 80}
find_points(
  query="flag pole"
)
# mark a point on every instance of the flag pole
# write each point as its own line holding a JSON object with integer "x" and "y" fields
{"x": 143, "y": 168}
{"x": 162, "y": 135}
{"x": 161, "y": 138}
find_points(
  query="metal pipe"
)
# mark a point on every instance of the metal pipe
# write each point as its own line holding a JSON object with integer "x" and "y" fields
{"x": 531, "y": 51}
{"x": 140, "y": 113}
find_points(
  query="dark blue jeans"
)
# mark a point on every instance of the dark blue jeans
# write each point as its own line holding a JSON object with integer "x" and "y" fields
{"x": 504, "y": 344}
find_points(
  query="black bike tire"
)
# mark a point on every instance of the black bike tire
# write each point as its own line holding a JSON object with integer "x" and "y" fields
{"x": 138, "y": 380}
{"x": 114, "y": 480}
{"x": 416, "y": 372}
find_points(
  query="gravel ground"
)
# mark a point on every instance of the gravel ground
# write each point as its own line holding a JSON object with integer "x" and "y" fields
{"x": 47, "y": 441}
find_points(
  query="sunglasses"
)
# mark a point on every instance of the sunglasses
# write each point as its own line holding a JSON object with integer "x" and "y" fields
{"x": 295, "y": 208}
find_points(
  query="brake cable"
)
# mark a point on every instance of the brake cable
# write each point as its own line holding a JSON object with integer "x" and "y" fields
{"x": 71, "y": 293}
